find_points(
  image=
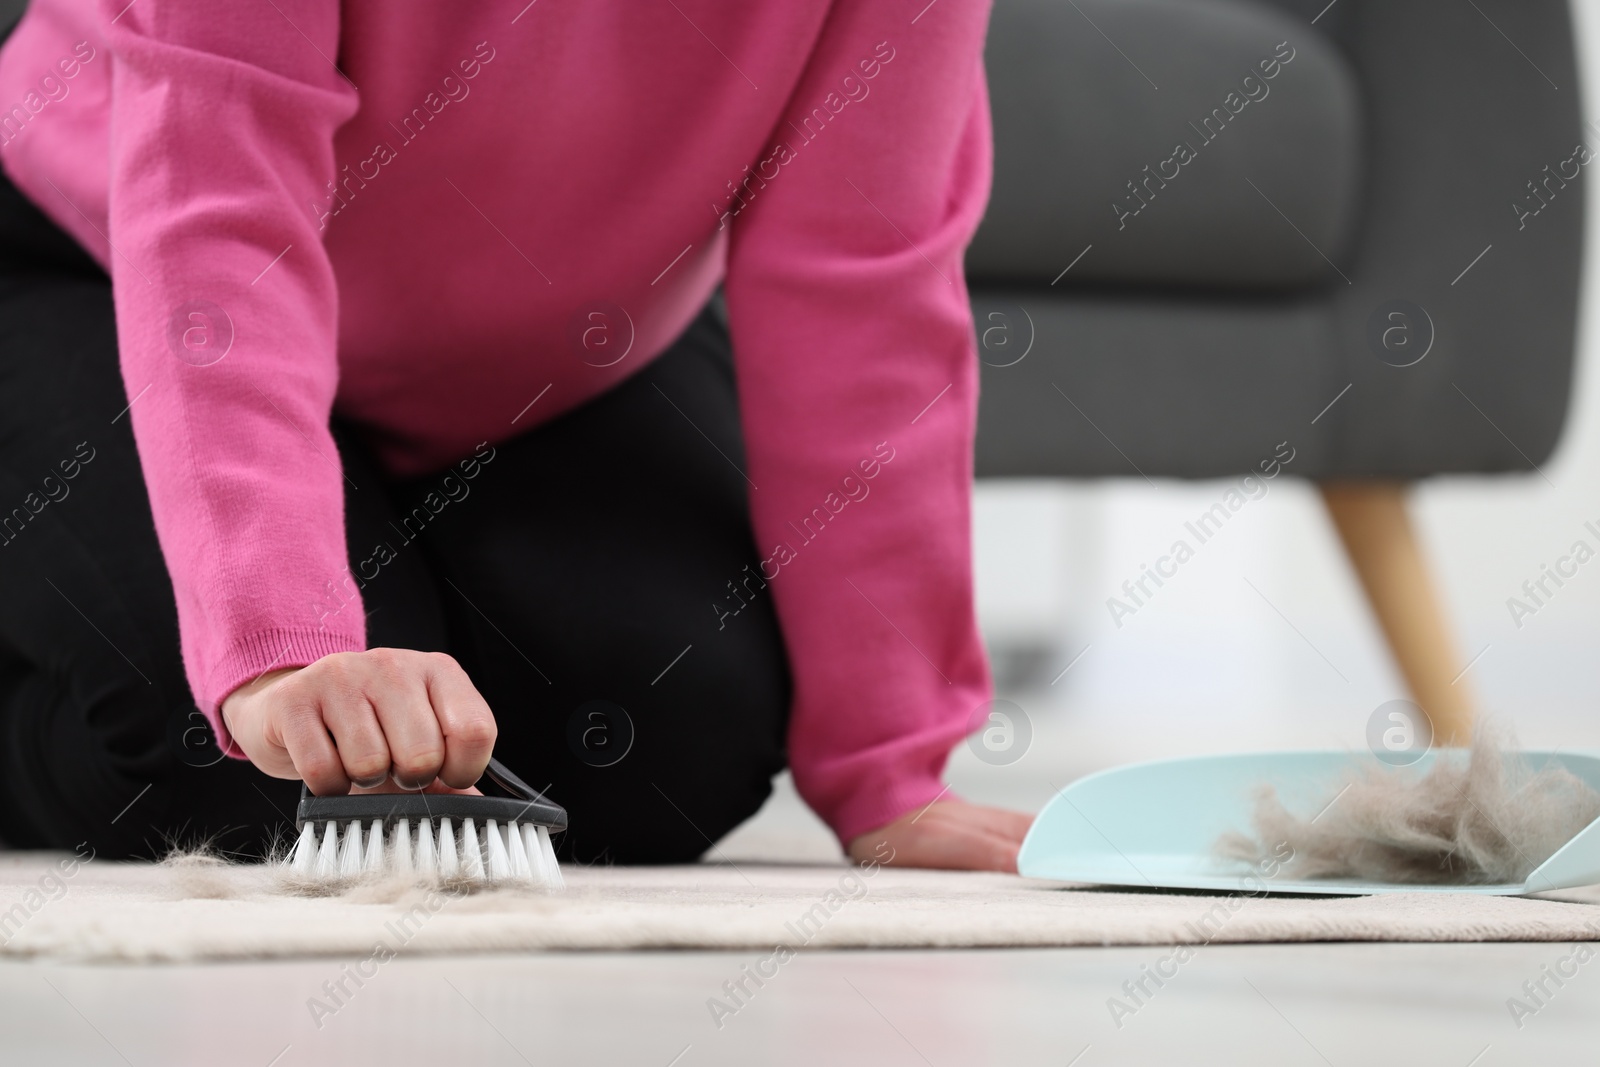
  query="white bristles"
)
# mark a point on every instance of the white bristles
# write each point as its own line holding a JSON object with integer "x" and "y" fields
{"x": 427, "y": 853}
{"x": 541, "y": 856}
{"x": 328, "y": 853}
{"x": 553, "y": 877}
{"x": 499, "y": 861}
{"x": 449, "y": 859}
{"x": 372, "y": 859}
{"x": 400, "y": 848}
{"x": 472, "y": 850}
{"x": 530, "y": 845}
{"x": 443, "y": 849}
{"x": 305, "y": 850}
{"x": 520, "y": 868}
{"x": 350, "y": 851}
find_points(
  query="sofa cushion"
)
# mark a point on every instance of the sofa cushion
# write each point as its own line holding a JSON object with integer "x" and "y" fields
{"x": 1210, "y": 143}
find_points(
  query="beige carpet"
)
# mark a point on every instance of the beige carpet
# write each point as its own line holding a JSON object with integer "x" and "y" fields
{"x": 137, "y": 912}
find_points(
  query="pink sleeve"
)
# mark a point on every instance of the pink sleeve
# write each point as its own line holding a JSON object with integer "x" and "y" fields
{"x": 858, "y": 385}
{"x": 222, "y": 123}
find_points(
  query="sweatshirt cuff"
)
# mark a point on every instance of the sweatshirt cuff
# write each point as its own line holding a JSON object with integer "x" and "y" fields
{"x": 253, "y": 655}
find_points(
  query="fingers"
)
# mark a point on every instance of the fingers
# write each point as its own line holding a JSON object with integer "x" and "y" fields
{"x": 311, "y": 749}
{"x": 364, "y": 718}
{"x": 949, "y": 835}
{"x": 981, "y": 851}
{"x": 399, "y": 697}
{"x": 976, "y": 838}
{"x": 433, "y": 788}
{"x": 464, "y": 719}
{"x": 1012, "y": 825}
{"x": 940, "y": 846}
{"x": 964, "y": 847}
{"x": 974, "y": 852}
{"x": 349, "y": 713}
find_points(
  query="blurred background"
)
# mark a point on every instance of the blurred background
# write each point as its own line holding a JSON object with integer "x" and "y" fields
{"x": 1209, "y": 665}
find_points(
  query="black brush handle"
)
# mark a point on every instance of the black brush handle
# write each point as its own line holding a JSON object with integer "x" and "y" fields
{"x": 501, "y": 776}
{"x": 496, "y": 772}
{"x": 526, "y": 805}
{"x": 391, "y": 807}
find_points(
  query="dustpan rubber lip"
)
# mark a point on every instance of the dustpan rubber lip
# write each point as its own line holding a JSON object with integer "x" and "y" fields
{"x": 391, "y": 807}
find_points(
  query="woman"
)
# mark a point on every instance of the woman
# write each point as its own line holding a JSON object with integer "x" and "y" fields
{"x": 433, "y": 411}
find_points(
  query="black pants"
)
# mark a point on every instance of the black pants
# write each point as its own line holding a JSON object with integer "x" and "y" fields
{"x": 573, "y": 580}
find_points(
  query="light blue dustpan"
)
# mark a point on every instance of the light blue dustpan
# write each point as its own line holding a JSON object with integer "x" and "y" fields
{"x": 1154, "y": 824}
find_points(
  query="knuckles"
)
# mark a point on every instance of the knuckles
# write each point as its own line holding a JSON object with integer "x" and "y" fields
{"x": 389, "y": 663}
{"x": 367, "y": 767}
{"x": 299, "y": 714}
{"x": 419, "y": 763}
{"x": 444, "y": 661}
{"x": 347, "y": 680}
{"x": 476, "y": 730}
{"x": 323, "y": 775}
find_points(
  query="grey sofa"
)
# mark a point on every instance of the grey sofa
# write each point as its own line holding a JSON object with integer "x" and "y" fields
{"x": 1223, "y": 317}
{"x": 1225, "y": 229}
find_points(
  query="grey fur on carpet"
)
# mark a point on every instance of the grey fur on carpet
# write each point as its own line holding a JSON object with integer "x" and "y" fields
{"x": 103, "y": 911}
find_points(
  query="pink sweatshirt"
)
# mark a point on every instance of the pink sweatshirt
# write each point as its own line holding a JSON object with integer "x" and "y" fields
{"x": 486, "y": 214}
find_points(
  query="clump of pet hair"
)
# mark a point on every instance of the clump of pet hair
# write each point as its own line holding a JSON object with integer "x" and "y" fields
{"x": 1482, "y": 817}
{"x": 199, "y": 870}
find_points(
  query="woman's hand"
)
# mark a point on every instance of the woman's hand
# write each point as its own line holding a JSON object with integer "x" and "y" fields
{"x": 948, "y": 834}
{"x": 361, "y": 718}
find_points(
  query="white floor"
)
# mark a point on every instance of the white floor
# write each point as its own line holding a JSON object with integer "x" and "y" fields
{"x": 1274, "y": 1006}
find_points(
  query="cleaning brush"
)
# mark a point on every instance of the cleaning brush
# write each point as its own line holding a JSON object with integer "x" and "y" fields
{"x": 430, "y": 838}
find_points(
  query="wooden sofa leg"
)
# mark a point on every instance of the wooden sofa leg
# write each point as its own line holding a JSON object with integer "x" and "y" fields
{"x": 1378, "y": 535}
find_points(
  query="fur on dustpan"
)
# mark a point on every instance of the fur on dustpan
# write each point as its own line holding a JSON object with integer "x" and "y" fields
{"x": 1490, "y": 818}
